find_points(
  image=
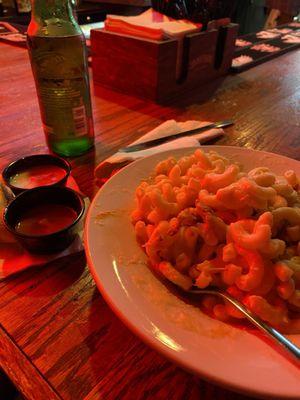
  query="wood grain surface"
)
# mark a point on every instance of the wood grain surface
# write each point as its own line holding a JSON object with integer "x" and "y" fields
{"x": 58, "y": 338}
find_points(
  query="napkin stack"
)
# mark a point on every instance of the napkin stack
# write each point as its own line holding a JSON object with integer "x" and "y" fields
{"x": 108, "y": 167}
{"x": 150, "y": 25}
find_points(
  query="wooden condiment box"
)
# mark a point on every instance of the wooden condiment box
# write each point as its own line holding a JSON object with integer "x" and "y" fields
{"x": 162, "y": 70}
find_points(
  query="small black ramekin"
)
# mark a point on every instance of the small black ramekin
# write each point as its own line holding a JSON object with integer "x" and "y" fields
{"x": 29, "y": 199}
{"x": 23, "y": 163}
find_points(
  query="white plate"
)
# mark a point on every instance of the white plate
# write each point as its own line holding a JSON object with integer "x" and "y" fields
{"x": 215, "y": 351}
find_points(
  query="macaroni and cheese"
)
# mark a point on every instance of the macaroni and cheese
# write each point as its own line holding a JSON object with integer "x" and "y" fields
{"x": 203, "y": 221}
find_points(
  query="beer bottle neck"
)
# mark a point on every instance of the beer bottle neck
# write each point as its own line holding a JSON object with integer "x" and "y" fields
{"x": 42, "y": 9}
{"x": 53, "y": 17}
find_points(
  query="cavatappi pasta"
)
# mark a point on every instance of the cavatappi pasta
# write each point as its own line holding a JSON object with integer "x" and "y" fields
{"x": 202, "y": 220}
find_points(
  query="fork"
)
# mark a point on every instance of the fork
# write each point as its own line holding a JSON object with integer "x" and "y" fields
{"x": 259, "y": 323}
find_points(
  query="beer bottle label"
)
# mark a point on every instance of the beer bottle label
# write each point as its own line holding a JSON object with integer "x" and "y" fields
{"x": 62, "y": 85}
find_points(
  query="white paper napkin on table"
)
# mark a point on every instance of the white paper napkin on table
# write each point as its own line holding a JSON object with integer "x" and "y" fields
{"x": 167, "y": 128}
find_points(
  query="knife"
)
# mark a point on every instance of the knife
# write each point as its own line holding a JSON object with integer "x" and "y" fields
{"x": 156, "y": 142}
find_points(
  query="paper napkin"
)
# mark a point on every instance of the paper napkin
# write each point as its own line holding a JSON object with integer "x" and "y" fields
{"x": 107, "y": 168}
{"x": 150, "y": 25}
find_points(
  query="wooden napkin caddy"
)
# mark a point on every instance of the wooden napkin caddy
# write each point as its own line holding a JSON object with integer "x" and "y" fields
{"x": 162, "y": 70}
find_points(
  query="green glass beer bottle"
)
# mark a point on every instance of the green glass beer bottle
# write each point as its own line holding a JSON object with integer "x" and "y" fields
{"x": 58, "y": 58}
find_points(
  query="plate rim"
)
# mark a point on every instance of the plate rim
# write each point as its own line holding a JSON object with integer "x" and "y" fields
{"x": 151, "y": 341}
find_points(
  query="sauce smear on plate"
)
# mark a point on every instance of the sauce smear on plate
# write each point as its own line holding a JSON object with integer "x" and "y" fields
{"x": 38, "y": 175}
{"x": 46, "y": 219}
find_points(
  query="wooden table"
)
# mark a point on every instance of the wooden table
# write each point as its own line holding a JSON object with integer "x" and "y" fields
{"x": 58, "y": 338}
